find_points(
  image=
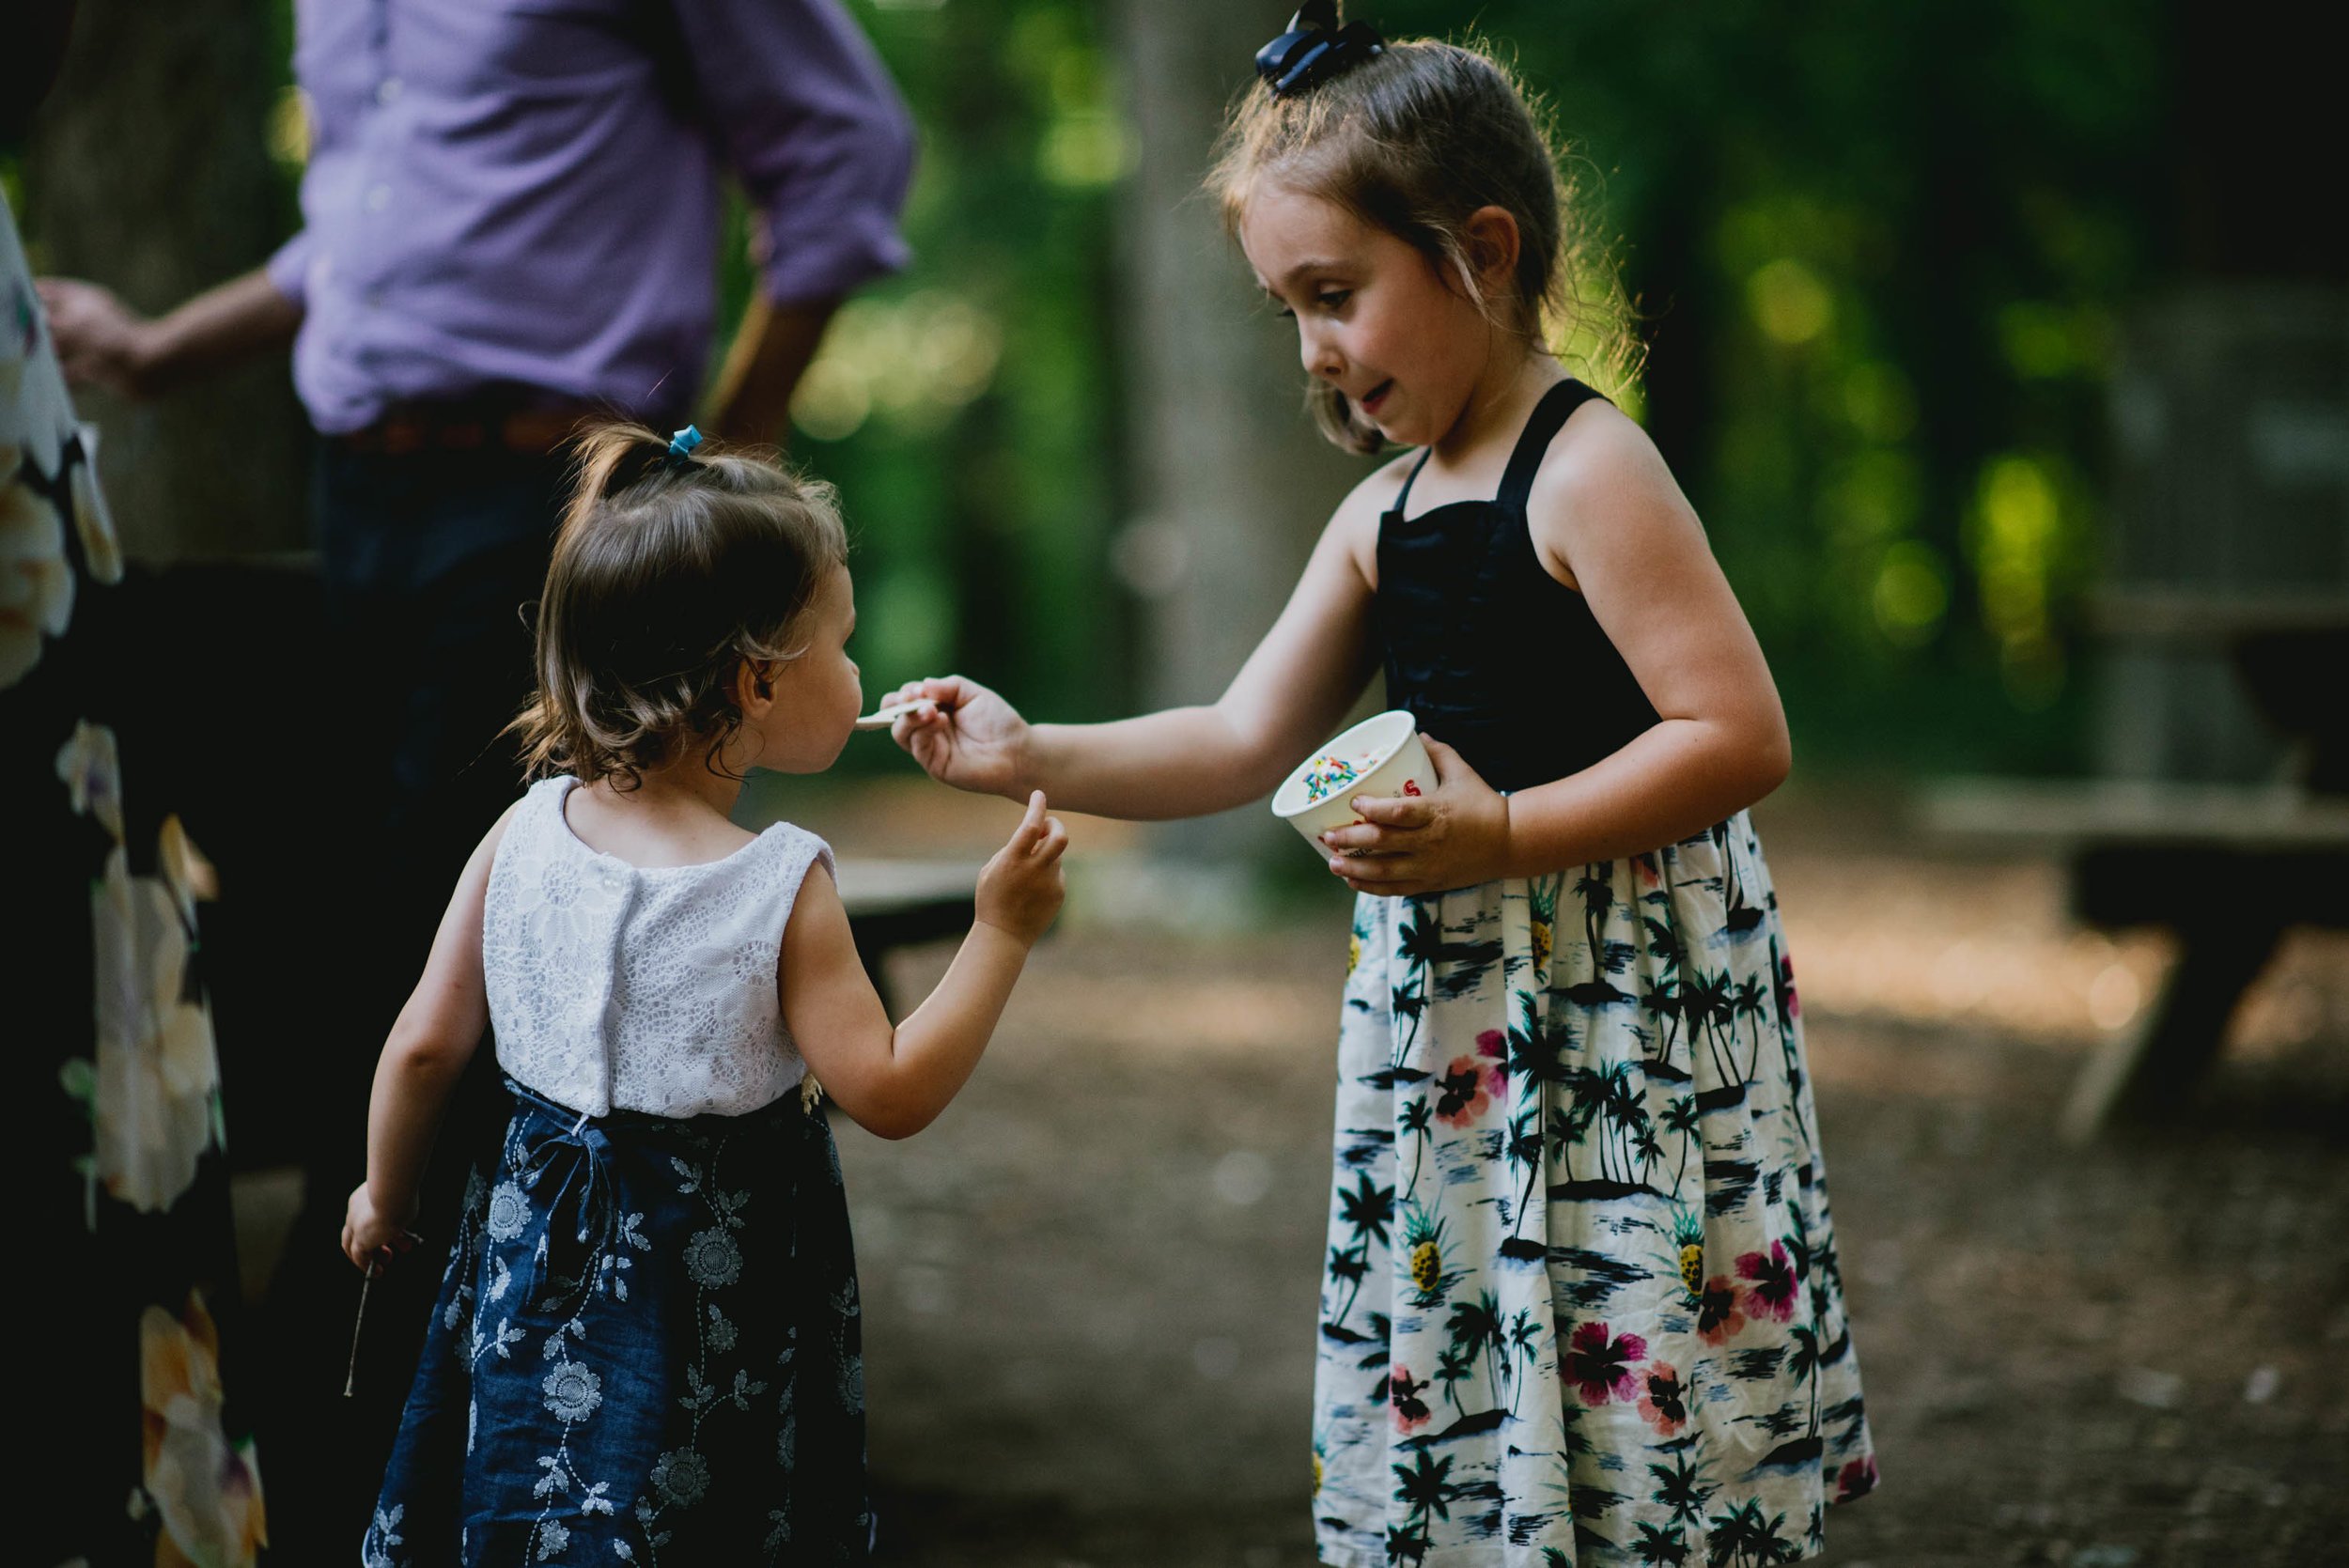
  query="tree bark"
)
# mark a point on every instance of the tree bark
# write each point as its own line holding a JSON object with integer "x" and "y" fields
{"x": 147, "y": 172}
{"x": 1230, "y": 482}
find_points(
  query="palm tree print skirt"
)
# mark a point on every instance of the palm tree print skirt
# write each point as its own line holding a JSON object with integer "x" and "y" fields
{"x": 647, "y": 1350}
{"x": 1583, "y": 1305}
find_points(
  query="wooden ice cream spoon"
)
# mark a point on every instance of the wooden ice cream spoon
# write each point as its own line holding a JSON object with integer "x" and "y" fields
{"x": 890, "y": 715}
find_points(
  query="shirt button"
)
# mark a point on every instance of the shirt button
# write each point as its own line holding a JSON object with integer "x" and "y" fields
{"x": 378, "y": 197}
{"x": 387, "y": 89}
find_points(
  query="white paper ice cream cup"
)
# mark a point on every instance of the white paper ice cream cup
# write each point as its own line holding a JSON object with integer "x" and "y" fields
{"x": 1388, "y": 759}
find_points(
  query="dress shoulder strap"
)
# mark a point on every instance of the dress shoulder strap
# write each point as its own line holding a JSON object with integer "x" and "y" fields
{"x": 1548, "y": 417}
{"x": 1403, "y": 496}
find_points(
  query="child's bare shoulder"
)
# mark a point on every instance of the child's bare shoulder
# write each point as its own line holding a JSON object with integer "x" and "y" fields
{"x": 1604, "y": 466}
{"x": 817, "y": 908}
{"x": 817, "y": 941}
{"x": 1601, "y": 449}
{"x": 487, "y": 849}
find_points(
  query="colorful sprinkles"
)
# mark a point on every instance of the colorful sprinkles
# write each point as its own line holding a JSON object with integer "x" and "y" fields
{"x": 1326, "y": 775}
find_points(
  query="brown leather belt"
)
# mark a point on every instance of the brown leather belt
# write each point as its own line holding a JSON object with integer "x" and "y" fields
{"x": 468, "y": 427}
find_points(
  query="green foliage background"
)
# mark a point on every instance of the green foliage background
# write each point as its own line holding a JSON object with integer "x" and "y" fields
{"x": 1880, "y": 253}
{"x": 1881, "y": 256}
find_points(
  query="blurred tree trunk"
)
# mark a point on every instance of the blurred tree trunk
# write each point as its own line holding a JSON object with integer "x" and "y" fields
{"x": 147, "y": 172}
{"x": 1681, "y": 328}
{"x": 1231, "y": 483}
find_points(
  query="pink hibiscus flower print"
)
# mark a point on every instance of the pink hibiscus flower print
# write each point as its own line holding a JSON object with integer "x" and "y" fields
{"x": 1494, "y": 1048}
{"x": 1662, "y": 1403}
{"x": 1719, "y": 1319}
{"x": 1793, "y": 1003}
{"x": 1460, "y": 1097}
{"x": 1410, "y": 1411}
{"x": 1601, "y": 1364}
{"x": 1645, "y": 866}
{"x": 1771, "y": 1293}
{"x": 1857, "y": 1478}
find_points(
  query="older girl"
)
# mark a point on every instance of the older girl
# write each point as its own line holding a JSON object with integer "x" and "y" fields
{"x": 1581, "y": 1301}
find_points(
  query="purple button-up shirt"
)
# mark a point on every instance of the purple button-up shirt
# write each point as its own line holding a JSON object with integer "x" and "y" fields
{"x": 525, "y": 192}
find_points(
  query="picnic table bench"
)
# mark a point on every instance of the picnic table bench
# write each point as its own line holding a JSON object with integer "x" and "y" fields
{"x": 2222, "y": 808}
{"x": 2228, "y": 868}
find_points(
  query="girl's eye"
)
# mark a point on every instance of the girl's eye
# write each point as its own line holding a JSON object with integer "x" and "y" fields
{"x": 1333, "y": 299}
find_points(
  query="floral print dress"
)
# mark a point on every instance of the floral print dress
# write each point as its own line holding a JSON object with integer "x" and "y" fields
{"x": 146, "y": 1452}
{"x": 1582, "y": 1303}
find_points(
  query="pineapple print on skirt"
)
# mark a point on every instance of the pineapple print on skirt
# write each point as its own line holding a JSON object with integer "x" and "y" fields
{"x": 1582, "y": 1304}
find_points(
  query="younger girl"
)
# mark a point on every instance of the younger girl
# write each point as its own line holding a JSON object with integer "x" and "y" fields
{"x": 646, "y": 1347}
{"x": 1581, "y": 1303}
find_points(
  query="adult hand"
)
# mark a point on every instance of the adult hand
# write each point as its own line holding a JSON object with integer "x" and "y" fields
{"x": 371, "y": 1238}
{"x": 100, "y": 341}
{"x": 1455, "y": 836}
{"x": 963, "y": 735}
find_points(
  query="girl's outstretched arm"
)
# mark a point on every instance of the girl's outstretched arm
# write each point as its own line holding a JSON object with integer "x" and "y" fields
{"x": 895, "y": 1082}
{"x": 431, "y": 1044}
{"x": 1607, "y": 515}
{"x": 1183, "y": 761}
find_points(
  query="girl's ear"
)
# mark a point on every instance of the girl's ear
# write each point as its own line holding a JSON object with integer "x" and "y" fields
{"x": 1493, "y": 246}
{"x": 753, "y": 687}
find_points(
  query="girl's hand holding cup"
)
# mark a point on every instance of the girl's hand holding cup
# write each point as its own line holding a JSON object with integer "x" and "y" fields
{"x": 372, "y": 1238}
{"x": 966, "y": 735}
{"x": 1020, "y": 890}
{"x": 1453, "y": 836}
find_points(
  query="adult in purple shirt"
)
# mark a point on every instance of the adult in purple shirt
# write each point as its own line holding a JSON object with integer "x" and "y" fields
{"x": 510, "y": 218}
{"x": 523, "y": 199}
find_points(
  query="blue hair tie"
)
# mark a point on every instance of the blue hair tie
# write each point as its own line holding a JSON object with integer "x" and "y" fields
{"x": 681, "y": 445}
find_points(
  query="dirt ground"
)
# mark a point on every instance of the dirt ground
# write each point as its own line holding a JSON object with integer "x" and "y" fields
{"x": 1090, "y": 1287}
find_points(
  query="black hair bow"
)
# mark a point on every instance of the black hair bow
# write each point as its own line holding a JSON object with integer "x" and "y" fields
{"x": 1315, "y": 49}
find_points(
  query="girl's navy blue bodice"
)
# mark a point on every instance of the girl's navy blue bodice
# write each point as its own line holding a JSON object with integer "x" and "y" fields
{"x": 1492, "y": 655}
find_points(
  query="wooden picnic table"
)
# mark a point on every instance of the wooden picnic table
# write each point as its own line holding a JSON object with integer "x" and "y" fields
{"x": 2222, "y": 808}
{"x": 2228, "y": 868}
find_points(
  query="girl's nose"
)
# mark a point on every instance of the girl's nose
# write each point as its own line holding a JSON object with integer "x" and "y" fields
{"x": 1318, "y": 354}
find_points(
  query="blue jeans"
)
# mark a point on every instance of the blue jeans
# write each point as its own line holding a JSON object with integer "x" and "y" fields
{"x": 430, "y": 562}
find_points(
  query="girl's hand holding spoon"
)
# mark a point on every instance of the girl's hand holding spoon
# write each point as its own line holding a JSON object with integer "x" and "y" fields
{"x": 962, "y": 733}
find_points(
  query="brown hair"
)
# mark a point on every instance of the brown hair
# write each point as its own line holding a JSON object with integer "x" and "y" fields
{"x": 1414, "y": 140}
{"x": 668, "y": 576}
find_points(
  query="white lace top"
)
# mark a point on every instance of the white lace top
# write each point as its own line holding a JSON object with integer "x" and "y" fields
{"x": 639, "y": 988}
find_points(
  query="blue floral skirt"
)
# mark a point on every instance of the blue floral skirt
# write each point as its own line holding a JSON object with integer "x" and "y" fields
{"x": 645, "y": 1350}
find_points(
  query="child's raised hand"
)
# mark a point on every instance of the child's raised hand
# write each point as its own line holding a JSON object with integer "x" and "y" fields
{"x": 1021, "y": 887}
{"x": 967, "y": 735}
{"x": 1455, "y": 836}
{"x": 371, "y": 1238}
